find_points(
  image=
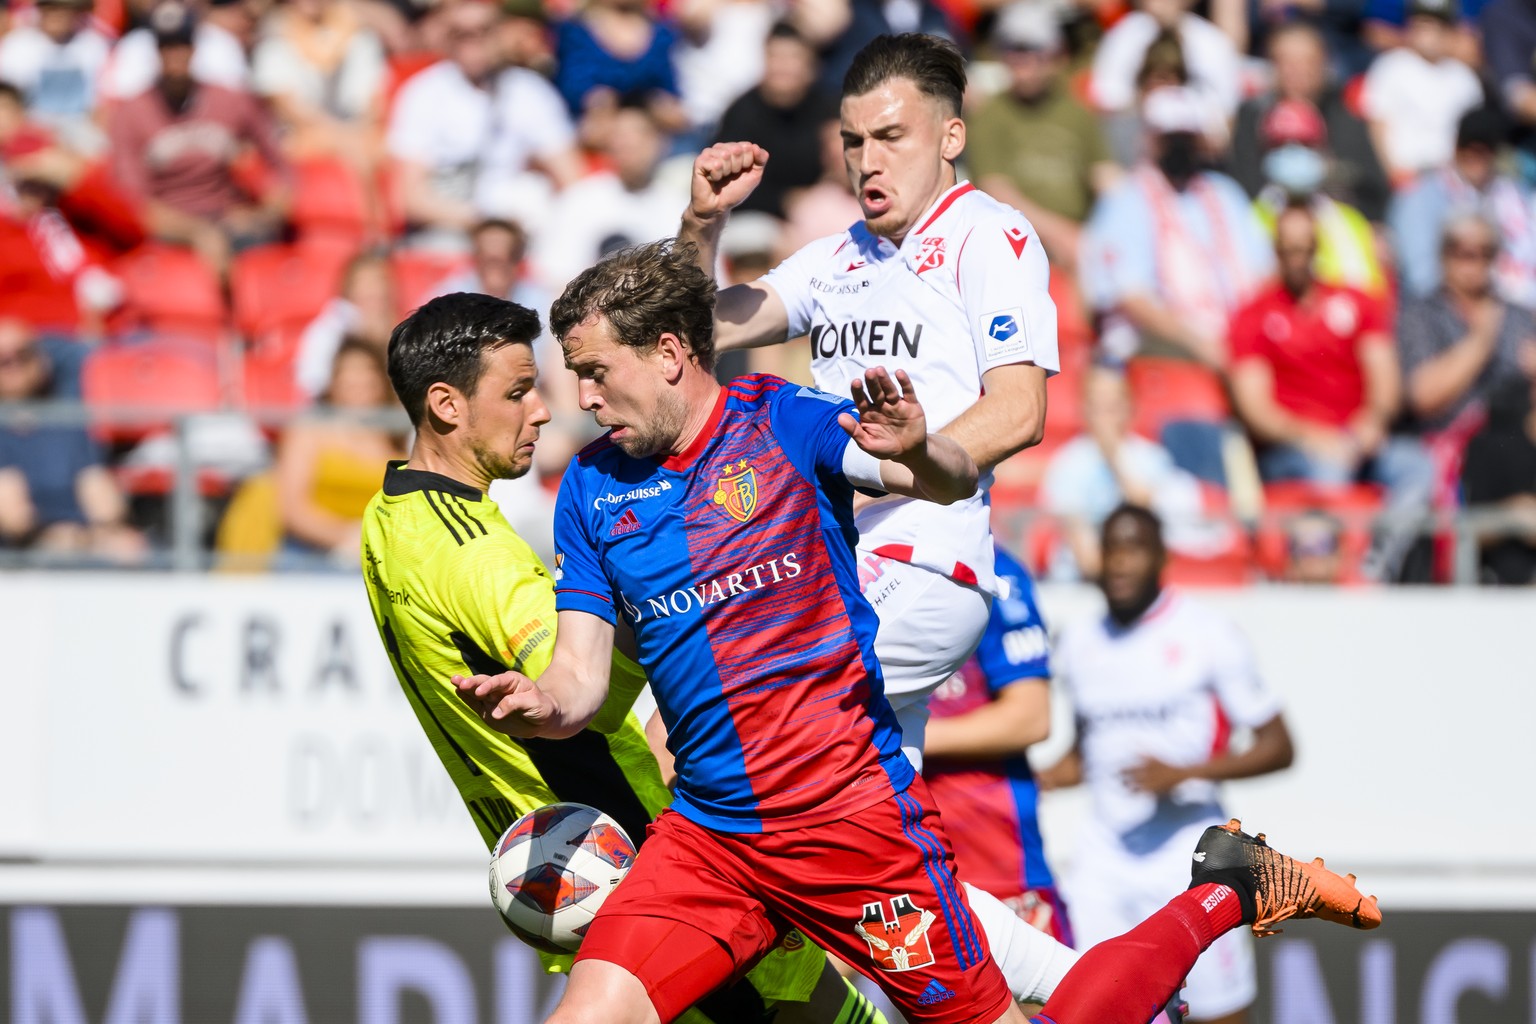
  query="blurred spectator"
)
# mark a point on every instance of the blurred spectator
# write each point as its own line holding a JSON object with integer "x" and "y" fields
{"x": 177, "y": 150}
{"x": 1415, "y": 94}
{"x": 1354, "y": 172}
{"x": 365, "y": 312}
{"x": 1295, "y": 170}
{"x": 1175, "y": 248}
{"x": 829, "y": 201}
{"x": 524, "y": 36}
{"x": 498, "y": 255}
{"x": 321, "y": 68}
{"x": 1156, "y": 685}
{"x": 56, "y": 63}
{"x": 327, "y": 469}
{"x": 61, "y": 217}
{"x": 1471, "y": 182}
{"x": 1509, "y": 39}
{"x": 464, "y": 136}
{"x": 1108, "y": 465}
{"x": 1212, "y": 59}
{"x": 1162, "y": 66}
{"x": 56, "y": 493}
{"x": 613, "y": 49}
{"x": 1314, "y": 548}
{"x": 1316, "y": 381}
{"x": 223, "y": 37}
{"x": 841, "y": 28}
{"x": 1035, "y": 146}
{"x": 1499, "y": 471}
{"x": 609, "y": 210}
{"x": 984, "y": 718}
{"x": 719, "y": 57}
{"x": 1462, "y": 343}
{"x": 785, "y": 114}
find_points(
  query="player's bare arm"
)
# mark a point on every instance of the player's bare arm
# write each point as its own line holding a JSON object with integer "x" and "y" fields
{"x": 891, "y": 426}
{"x": 567, "y": 696}
{"x": 1017, "y": 719}
{"x": 746, "y": 315}
{"x": 1006, "y": 419}
{"x": 1270, "y": 751}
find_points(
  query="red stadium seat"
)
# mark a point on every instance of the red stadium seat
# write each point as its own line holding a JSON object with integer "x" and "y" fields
{"x": 330, "y": 203}
{"x": 170, "y": 291}
{"x": 418, "y": 272}
{"x": 1234, "y": 568}
{"x": 1165, "y": 390}
{"x": 278, "y": 286}
{"x": 168, "y": 377}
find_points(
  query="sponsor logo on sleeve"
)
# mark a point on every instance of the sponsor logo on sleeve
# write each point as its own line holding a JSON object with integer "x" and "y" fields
{"x": 1018, "y": 238}
{"x": 1003, "y": 334}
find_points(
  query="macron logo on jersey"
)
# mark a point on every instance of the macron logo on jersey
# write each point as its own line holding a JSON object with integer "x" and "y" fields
{"x": 626, "y": 523}
{"x": 1018, "y": 238}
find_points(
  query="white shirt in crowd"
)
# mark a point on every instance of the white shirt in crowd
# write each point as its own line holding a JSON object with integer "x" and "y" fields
{"x": 279, "y": 69}
{"x": 728, "y": 62}
{"x": 1215, "y": 70}
{"x": 967, "y": 290}
{"x": 1079, "y": 483}
{"x": 1170, "y": 686}
{"x": 218, "y": 58}
{"x": 59, "y": 80}
{"x": 598, "y": 215}
{"x": 1420, "y": 104}
{"x": 479, "y": 144}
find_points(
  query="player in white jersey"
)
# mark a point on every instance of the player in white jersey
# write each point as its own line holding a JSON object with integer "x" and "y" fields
{"x": 938, "y": 279}
{"x": 942, "y": 281}
{"x": 1156, "y": 686}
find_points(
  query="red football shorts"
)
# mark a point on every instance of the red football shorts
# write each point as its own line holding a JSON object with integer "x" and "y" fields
{"x": 875, "y": 888}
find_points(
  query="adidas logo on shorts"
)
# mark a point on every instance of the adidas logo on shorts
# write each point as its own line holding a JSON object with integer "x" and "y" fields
{"x": 934, "y": 993}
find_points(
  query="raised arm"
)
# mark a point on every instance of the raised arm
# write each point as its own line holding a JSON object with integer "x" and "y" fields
{"x": 891, "y": 427}
{"x": 567, "y": 696}
{"x": 746, "y": 315}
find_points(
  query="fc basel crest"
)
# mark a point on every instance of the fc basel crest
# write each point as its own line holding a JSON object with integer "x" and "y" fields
{"x": 737, "y": 493}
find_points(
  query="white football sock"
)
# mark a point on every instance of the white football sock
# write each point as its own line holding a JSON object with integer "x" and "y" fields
{"x": 1032, "y": 962}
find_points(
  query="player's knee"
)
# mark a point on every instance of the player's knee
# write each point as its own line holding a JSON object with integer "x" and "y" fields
{"x": 604, "y": 993}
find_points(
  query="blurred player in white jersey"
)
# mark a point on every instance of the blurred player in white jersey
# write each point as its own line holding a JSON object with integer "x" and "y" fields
{"x": 942, "y": 281}
{"x": 1157, "y": 684}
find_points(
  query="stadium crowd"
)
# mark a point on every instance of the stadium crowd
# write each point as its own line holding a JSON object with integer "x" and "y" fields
{"x": 1293, "y": 248}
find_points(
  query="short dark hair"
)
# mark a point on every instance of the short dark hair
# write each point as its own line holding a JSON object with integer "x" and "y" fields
{"x": 1139, "y": 513}
{"x": 12, "y": 91}
{"x": 446, "y": 341}
{"x": 644, "y": 292}
{"x": 785, "y": 29}
{"x": 932, "y": 63}
{"x": 517, "y": 231}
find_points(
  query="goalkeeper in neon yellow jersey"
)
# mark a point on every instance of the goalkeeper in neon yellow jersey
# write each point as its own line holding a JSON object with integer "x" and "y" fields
{"x": 455, "y": 591}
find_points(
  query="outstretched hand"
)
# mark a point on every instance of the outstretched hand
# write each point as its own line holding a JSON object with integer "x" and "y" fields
{"x": 891, "y": 423}
{"x": 724, "y": 175}
{"x": 509, "y": 703}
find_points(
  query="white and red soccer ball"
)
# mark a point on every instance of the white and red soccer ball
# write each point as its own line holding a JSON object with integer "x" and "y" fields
{"x": 552, "y": 870}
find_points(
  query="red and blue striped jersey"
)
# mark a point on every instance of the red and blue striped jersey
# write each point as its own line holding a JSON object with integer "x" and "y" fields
{"x": 989, "y": 807}
{"x": 733, "y": 562}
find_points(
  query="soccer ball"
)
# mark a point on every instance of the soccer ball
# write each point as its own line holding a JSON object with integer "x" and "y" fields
{"x": 553, "y": 869}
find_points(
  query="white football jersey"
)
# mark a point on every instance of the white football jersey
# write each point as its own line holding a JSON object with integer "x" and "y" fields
{"x": 967, "y": 290}
{"x": 1170, "y": 686}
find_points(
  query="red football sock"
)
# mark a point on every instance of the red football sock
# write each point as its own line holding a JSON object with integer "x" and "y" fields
{"x": 1128, "y": 979}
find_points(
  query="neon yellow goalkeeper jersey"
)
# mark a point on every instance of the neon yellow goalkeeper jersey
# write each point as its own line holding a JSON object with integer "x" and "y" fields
{"x": 455, "y": 591}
